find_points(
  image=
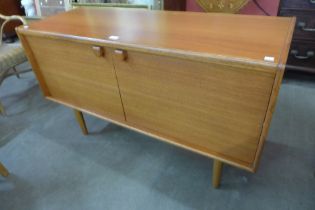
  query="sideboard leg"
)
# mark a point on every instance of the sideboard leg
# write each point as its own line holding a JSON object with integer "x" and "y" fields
{"x": 3, "y": 171}
{"x": 216, "y": 176}
{"x": 2, "y": 110}
{"x": 80, "y": 119}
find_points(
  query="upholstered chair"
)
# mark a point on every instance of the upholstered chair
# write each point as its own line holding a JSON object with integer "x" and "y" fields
{"x": 11, "y": 55}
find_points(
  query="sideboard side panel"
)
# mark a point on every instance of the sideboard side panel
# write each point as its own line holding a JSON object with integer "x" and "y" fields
{"x": 275, "y": 91}
{"x": 31, "y": 58}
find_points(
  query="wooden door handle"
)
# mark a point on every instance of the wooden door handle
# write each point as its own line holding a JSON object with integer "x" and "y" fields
{"x": 98, "y": 51}
{"x": 121, "y": 54}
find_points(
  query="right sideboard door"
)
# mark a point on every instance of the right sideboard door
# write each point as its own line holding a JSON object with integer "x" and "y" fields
{"x": 215, "y": 109}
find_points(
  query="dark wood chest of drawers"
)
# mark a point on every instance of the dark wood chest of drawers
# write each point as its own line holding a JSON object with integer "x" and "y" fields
{"x": 302, "y": 53}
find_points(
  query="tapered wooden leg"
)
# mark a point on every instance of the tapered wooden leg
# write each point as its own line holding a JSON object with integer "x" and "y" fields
{"x": 3, "y": 171}
{"x": 2, "y": 111}
{"x": 81, "y": 121}
{"x": 16, "y": 72}
{"x": 216, "y": 176}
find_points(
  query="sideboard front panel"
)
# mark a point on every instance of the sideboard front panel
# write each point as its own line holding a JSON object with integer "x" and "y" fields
{"x": 74, "y": 74}
{"x": 211, "y": 108}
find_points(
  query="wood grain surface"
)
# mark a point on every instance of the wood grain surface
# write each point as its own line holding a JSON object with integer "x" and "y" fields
{"x": 234, "y": 36}
{"x": 198, "y": 81}
{"x": 216, "y": 108}
{"x": 74, "y": 74}
{"x": 274, "y": 94}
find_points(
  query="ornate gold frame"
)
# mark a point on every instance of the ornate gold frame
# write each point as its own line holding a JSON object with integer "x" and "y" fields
{"x": 225, "y": 6}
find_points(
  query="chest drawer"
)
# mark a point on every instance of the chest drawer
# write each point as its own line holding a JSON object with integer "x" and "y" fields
{"x": 305, "y": 23}
{"x": 303, "y": 4}
{"x": 302, "y": 56}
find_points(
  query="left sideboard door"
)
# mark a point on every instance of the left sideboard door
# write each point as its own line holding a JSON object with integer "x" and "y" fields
{"x": 79, "y": 75}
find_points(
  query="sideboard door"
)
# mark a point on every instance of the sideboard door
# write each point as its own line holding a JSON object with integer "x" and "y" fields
{"x": 78, "y": 74}
{"x": 214, "y": 109}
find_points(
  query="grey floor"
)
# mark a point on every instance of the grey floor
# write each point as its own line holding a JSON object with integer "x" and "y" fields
{"x": 53, "y": 166}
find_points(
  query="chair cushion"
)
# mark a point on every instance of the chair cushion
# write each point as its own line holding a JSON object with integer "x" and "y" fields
{"x": 11, "y": 55}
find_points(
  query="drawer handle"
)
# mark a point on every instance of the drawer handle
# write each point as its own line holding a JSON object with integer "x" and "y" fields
{"x": 98, "y": 51}
{"x": 308, "y": 55}
{"x": 303, "y": 27}
{"x": 121, "y": 54}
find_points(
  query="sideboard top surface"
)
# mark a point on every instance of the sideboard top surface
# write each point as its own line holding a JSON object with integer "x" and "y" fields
{"x": 233, "y": 36}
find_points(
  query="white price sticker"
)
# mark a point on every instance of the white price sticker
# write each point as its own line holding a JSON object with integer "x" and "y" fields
{"x": 113, "y": 38}
{"x": 269, "y": 58}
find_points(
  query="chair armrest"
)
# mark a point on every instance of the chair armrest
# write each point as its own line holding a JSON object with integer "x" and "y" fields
{"x": 13, "y": 17}
{"x": 8, "y": 19}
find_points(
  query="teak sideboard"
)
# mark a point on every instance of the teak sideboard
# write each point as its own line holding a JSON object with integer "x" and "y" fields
{"x": 204, "y": 82}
